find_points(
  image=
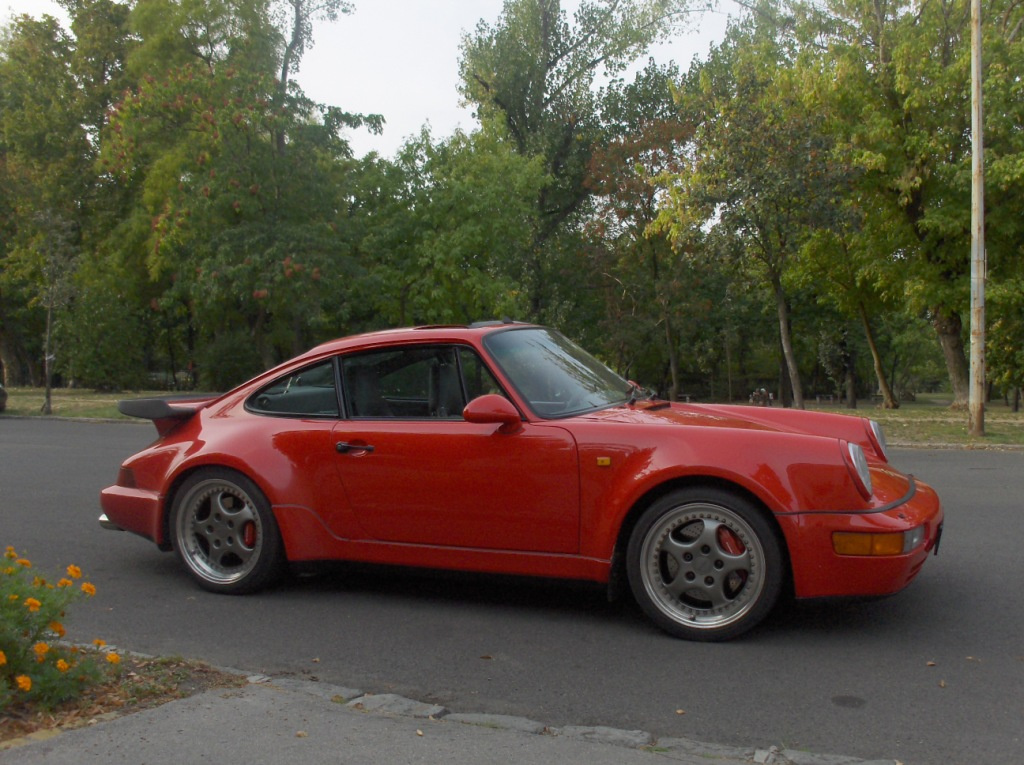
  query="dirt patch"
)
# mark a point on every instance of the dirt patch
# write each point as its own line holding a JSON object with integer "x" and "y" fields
{"x": 142, "y": 683}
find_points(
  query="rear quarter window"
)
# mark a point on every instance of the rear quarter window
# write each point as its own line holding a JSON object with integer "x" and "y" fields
{"x": 309, "y": 392}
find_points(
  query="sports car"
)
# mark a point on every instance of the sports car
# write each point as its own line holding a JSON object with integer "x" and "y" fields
{"x": 504, "y": 448}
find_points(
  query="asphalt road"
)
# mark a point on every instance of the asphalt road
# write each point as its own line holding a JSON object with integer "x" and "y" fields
{"x": 933, "y": 675}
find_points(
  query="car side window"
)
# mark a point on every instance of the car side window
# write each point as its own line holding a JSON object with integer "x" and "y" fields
{"x": 478, "y": 378}
{"x": 418, "y": 382}
{"x": 309, "y": 392}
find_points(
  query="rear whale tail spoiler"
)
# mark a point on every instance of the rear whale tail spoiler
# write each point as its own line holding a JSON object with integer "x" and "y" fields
{"x": 165, "y": 413}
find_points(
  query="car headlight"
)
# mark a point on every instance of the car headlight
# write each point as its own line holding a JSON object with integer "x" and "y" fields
{"x": 859, "y": 464}
{"x": 878, "y": 438}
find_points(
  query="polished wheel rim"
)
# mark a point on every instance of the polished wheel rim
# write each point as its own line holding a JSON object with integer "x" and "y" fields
{"x": 703, "y": 566}
{"x": 219, "y": 531}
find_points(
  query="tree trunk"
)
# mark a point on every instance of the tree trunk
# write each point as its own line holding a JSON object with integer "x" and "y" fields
{"x": 9, "y": 361}
{"x": 13, "y": 362}
{"x": 673, "y": 359}
{"x": 949, "y": 328}
{"x": 291, "y": 52}
{"x": 851, "y": 385}
{"x": 786, "y": 339}
{"x": 728, "y": 367}
{"x": 888, "y": 399}
{"x": 47, "y": 398}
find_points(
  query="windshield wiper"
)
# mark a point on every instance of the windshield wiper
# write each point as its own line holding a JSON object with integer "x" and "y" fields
{"x": 637, "y": 391}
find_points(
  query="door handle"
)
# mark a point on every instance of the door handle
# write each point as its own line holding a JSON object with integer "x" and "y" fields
{"x": 344, "y": 448}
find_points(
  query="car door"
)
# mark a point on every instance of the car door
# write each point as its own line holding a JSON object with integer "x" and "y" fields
{"x": 415, "y": 472}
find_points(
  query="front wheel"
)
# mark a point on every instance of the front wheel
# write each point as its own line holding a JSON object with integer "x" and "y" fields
{"x": 705, "y": 564}
{"x": 225, "y": 533}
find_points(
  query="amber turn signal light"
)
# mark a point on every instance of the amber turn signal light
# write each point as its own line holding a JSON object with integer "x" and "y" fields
{"x": 855, "y": 543}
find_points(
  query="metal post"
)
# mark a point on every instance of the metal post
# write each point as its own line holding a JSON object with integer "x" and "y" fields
{"x": 976, "y": 403}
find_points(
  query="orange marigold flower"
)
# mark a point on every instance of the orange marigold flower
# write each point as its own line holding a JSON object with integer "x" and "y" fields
{"x": 99, "y": 642}
{"x": 24, "y": 682}
{"x": 88, "y": 589}
{"x": 24, "y": 562}
{"x": 9, "y": 571}
{"x": 62, "y": 665}
{"x": 113, "y": 658}
{"x": 13, "y": 598}
{"x": 57, "y": 628}
{"x": 32, "y": 604}
{"x": 64, "y": 583}
{"x": 74, "y": 572}
{"x": 10, "y": 553}
{"x": 3, "y": 658}
{"x": 41, "y": 649}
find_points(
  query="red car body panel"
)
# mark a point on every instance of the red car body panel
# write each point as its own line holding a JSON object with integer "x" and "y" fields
{"x": 550, "y": 499}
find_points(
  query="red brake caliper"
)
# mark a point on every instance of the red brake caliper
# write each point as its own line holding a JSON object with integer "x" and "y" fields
{"x": 249, "y": 534}
{"x": 729, "y": 542}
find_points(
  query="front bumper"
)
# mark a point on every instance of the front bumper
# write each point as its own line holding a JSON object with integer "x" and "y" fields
{"x": 818, "y": 571}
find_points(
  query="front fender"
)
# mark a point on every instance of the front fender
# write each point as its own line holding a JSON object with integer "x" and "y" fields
{"x": 786, "y": 473}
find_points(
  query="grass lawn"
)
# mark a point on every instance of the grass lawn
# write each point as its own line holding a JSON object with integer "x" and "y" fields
{"x": 69, "y": 402}
{"x": 929, "y": 421}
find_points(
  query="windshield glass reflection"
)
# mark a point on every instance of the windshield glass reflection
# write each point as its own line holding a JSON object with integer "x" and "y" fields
{"x": 555, "y": 376}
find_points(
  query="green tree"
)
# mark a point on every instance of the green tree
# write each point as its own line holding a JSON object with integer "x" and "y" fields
{"x": 1005, "y": 338}
{"x": 47, "y": 155}
{"x": 849, "y": 276}
{"x": 531, "y": 77}
{"x": 893, "y": 79}
{"x": 761, "y": 178}
{"x": 647, "y": 284}
{"x": 445, "y": 222}
{"x": 238, "y": 181}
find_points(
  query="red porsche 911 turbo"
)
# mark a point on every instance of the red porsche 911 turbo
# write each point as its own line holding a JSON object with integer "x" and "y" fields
{"x": 503, "y": 447}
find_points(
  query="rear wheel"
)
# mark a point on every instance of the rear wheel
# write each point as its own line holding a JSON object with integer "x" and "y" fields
{"x": 225, "y": 533}
{"x": 705, "y": 564}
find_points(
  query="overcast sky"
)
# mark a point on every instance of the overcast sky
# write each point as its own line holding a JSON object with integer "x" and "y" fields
{"x": 400, "y": 58}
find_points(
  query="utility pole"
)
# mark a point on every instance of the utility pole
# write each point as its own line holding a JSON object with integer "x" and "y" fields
{"x": 976, "y": 401}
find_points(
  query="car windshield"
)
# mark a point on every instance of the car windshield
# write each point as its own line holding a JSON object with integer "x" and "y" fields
{"x": 555, "y": 376}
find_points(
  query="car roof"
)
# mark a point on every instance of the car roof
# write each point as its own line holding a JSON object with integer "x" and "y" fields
{"x": 431, "y": 333}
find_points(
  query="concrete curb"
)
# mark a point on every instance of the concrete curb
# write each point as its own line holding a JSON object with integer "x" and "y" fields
{"x": 680, "y": 749}
{"x": 284, "y": 718}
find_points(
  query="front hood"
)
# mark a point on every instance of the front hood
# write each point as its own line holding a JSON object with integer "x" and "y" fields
{"x": 690, "y": 415}
{"x": 793, "y": 459}
{"x": 662, "y": 413}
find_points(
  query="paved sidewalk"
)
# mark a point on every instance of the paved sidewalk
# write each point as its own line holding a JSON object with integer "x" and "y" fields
{"x": 282, "y": 720}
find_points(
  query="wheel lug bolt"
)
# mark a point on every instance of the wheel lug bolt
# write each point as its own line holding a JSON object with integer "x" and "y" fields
{"x": 687, "y": 557}
{"x": 719, "y": 565}
{"x": 690, "y": 576}
{"x": 705, "y": 549}
{"x": 709, "y": 580}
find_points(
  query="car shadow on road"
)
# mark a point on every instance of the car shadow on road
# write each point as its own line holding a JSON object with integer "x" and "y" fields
{"x": 421, "y": 588}
{"x": 457, "y": 587}
{"x": 886, "y": 617}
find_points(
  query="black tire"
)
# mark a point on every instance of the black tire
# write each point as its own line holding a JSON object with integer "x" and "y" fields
{"x": 705, "y": 564}
{"x": 223, "y": 530}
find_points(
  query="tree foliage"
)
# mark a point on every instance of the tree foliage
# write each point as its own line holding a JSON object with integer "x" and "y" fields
{"x": 531, "y": 77}
{"x": 793, "y": 208}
